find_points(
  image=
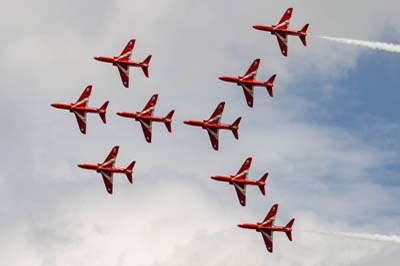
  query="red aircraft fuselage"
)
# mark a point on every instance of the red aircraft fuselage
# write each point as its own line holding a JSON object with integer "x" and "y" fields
{"x": 114, "y": 60}
{"x": 137, "y": 116}
{"x": 239, "y": 81}
{"x": 274, "y": 30}
{"x": 72, "y": 107}
{"x": 258, "y": 227}
{"x": 98, "y": 167}
{"x": 232, "y": 178}
{"x": 204, "y": 124}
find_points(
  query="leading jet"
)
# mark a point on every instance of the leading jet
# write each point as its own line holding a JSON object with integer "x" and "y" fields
{"x": 281, "y": 31}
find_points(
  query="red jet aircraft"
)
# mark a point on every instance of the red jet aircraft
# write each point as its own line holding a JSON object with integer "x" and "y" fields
{"x": 106, "y": 169}
{"x": 80, "y": 108}
{"x": 213, "y": 125}
{"x": 267, "y": 227}
{"x": 240, "y": 181}
{"x": 247, "y": 81}
{"x": 145, "y": 117}
{"x": 281, "y": 31}
{"x": 123, "y": 62}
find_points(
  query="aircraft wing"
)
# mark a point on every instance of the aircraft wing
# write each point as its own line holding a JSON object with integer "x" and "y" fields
{"x": 217, "y": 114}
{"x": 252, "y": 71}
{"x": 283, "y": 42}
{"x": 146, "y": 127}
{"x": 108, "y": 180}
{"x": 84, "y": 98}
{"x": 213, "y": 134}
{"x": 248, "y": 91}
{"x": 150, "y": 106}
{"x": 124, "y": 73}
{"x": 111, "y": 158}
{"x": 268, "y": 239}
{"x": 81, "y": 119}
{"x": 270, "y": 218}
{"x": 126, "y": 53}
{"x": 241, "y": 193}
{"x": 284, "y": 22}
{"x": 244, "y": 169}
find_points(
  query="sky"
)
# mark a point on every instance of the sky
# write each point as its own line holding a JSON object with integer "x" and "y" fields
{"x": 329, "y": 138}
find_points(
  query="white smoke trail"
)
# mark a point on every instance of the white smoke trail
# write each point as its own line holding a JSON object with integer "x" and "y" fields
{"x": 372, "y": 237}
{"x": 388, "y": 47}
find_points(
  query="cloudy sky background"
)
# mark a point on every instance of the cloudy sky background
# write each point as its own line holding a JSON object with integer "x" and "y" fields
{"x": 329, "y": 137}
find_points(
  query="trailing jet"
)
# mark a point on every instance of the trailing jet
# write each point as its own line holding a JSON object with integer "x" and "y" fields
{"x": 247, "y": 81}
{"x": 267, "y": 227}
{"x": 80, "y": 108}
{"x": 213, "y": 125}
{"x": 145, "y": 117}
{"x": 240, "y": 181}
{"x": 107, "y": 169}
{"x": 281, "y": 31}
{"x": 123, "y": 62}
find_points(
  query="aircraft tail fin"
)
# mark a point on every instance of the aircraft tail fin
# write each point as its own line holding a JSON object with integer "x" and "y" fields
{"x": 289, "y": 228}
{"x": 235, "y": 127}
{"x": 261, "y": 182}
{"x": 303, "y": 31}
{"x": 269, "y": 84}
{"x": 145, "y": 66}
{"x": 129, "y": 171}
{"x": 102, "y": 112}
{"x": 168, "y": 120}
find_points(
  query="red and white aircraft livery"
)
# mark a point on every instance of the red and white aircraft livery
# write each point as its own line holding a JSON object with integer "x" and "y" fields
{"x": 123, "y": 62}
{"x": 240, "y": 181}
{"x": 80, "y": 108}
{"x": 267, "y": 227}
{"x": 213, "y": 125}
{"x": 107, "y": 169}
{"x": 145, "y": 117}
{"x": 248, "y": 81}
{"x": 281, "y": 31}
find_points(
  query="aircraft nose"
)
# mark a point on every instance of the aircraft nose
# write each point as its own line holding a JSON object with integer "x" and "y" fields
{"x": 241, "y": 225}
{"x": 223, "y": 78}
{"x": 119, "y": 113}
{"x": 81, "y": 165}
{"x": 187, "y": 122}
{"x": 57, "y": 105}
{"x": 97, "y": 58}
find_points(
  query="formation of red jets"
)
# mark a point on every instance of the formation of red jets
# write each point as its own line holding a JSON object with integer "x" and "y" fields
{"x": 145, "y": 117}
